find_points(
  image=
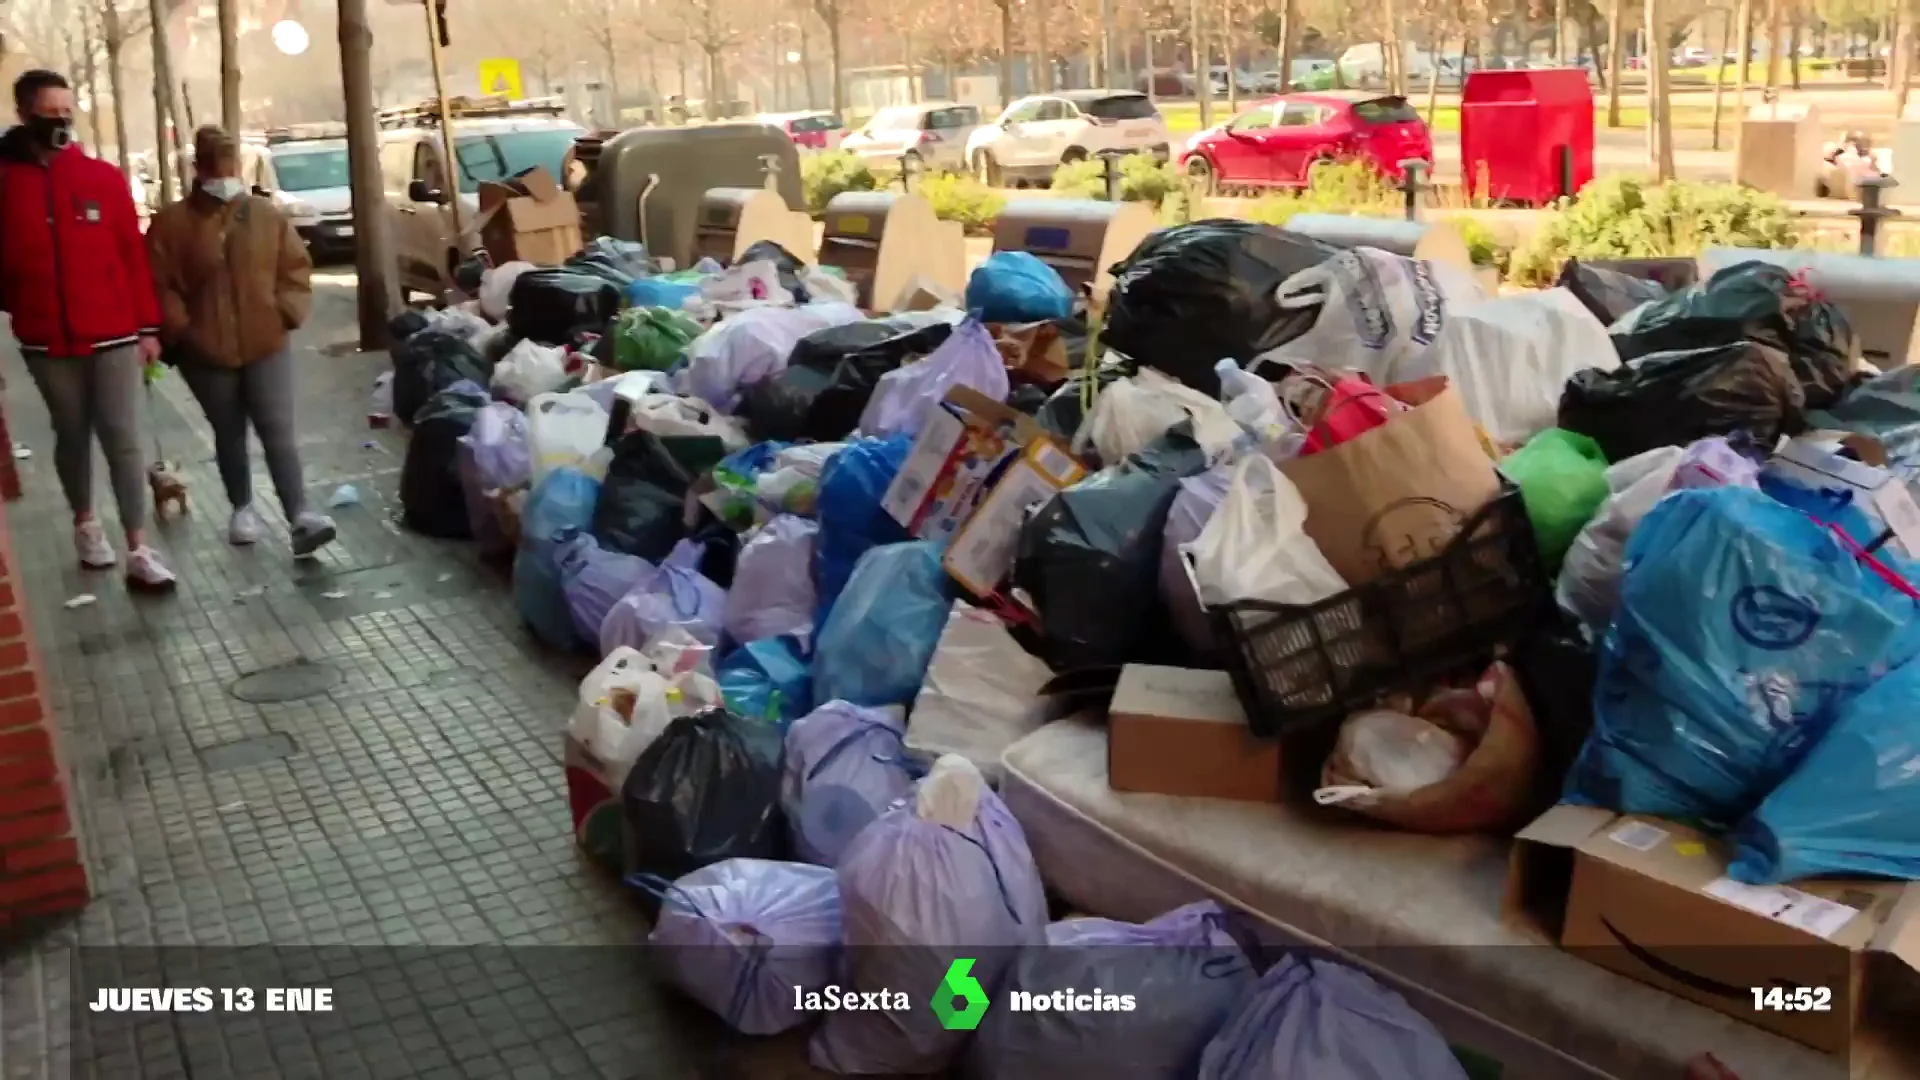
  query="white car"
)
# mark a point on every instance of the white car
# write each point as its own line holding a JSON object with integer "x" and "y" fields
{"x": 931, "y": 136}
{"x": 309, "y": 181}
{"x": 1038, "y": 134}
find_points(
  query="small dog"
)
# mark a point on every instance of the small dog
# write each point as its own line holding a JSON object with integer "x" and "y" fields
{"x": 164, "y": 479}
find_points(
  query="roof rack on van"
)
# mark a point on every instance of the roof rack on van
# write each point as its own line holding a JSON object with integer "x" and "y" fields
{"x": 427, "y": 113}
{"x": 305, "y": 133}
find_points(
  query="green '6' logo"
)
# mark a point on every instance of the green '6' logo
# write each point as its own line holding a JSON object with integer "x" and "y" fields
{"x": 961, "y": 1001}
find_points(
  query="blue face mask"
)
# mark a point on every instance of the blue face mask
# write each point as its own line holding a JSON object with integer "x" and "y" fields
{"x": 224, "y": 188}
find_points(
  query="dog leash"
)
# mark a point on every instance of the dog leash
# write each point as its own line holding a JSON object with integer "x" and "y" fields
{"x": 150, "y": 376}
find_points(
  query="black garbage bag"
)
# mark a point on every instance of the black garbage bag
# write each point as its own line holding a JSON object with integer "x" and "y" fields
{"x": 468, "y": 275}
{"x": 429, "y": 361}
{"x": 780, "y": 257}
{"x": 554, "y": 306}
{"x": 1062, "y": 413}
{"x": 830, "y": 377}
{"x": 1192, "y": 295}
{"x": 1609, "y": 294}
{"x": 719, "y": 551}
{"x": 627, "y": 257}
{"x": 1674, "y": 398}
{"x": 432, "y": 500}
{"x": 405, "y": 325}
{"x": 1090, "y": 558}
{"x": 1557, "y": 669}
{"x": 1760, "y": 302}
{"x": 706, "y": 790}
{"x": 643, "y": 501}
{"x": 1027, "y": 398}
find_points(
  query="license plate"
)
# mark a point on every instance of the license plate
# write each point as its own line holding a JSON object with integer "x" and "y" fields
{"x": 343, "y": 230}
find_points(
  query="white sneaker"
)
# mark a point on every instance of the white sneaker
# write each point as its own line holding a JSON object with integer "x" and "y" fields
{"x": 245, "y": 527}
{"x": 91, "y": 541}
{"x": 146, "y": 572}
{"x": 311, "y": 532}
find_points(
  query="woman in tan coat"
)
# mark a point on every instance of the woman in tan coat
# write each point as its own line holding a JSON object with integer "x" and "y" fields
{"x": 233, "y": 278}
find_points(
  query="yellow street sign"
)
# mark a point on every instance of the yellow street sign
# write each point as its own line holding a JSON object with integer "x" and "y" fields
{"x": 500, "y": 77}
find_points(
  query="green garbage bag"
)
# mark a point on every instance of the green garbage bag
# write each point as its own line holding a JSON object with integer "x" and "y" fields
{"x": 1562, "y": 478}
{"x": 651, "y": 338}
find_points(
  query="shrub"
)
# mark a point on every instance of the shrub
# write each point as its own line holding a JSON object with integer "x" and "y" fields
{"x": 1626, "y": 218}
{"x": 1482, "y": 244}
{"x": 962, "y": 199}
{"x": 830, "y": 172}
{"x": 1350, "y": 187}
{"x": 1142, "y": 179}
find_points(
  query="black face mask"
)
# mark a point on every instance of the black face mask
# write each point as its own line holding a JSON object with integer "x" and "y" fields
{"x": 51, "y": 132}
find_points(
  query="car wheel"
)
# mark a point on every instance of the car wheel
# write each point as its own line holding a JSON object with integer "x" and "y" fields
{"x": 986, "y": 169}
{"x": 1073, "y": 154}
{"x": 1200, "y": 175}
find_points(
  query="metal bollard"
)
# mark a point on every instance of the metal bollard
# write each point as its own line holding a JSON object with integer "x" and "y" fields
{"x": 906, "y": 184}
{"x": 1112, "y": 173}
{"x": 1412, "y": 183}
{"x": 1871, "y": 213}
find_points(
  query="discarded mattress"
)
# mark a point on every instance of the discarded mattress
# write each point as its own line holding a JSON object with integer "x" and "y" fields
{"x": 1421, "y": 912}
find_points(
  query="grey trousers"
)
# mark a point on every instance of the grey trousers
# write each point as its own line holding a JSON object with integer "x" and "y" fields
{"x": 89, "y": 397}
{"x": 260, "y": 394}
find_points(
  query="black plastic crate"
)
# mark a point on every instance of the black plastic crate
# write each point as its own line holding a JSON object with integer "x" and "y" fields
{"x": 1297, "y": 667}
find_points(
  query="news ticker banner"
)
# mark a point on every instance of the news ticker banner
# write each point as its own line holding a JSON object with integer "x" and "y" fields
{"x": 281, "y": 1010}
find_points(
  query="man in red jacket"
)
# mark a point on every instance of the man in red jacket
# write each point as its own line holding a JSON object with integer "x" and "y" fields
{"x": 74, "y": 278}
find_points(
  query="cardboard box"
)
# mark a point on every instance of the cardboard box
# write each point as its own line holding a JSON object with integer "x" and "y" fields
{"x": 528, "y": 219}
{"x": 1181, "y": 731}
{"x": 1650, "y": 899}
{"x": 981, "y": 555}
{"x": 965, "y": 447}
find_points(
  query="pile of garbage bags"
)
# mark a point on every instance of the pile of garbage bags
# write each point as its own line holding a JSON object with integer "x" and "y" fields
{"x": 829, "y": 558}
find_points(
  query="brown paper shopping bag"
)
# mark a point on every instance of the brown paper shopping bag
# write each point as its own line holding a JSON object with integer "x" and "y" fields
{"x": 1398, "y": 493}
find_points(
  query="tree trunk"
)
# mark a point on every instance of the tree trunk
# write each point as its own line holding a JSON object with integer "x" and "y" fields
{"x": 377, "y": 292}
{"x": 1202, "y": 77}
{"x": 1616, "y": 50}
{"x": 1743, "y": 25}
{"x": 1042, "y": 54}
{"x": 164, "y": 132}
{"x": 1776, "y": 27}
{"x": 1659, "y": 119}
{"x": 1233, "y": 71}
{"x": 90, "y": 75}
{"x": 1560, "y": 32}
{"x": 115, "y": 41}
{"x": 1793, "y": 48}
{"x": 834, "y": 60}
{"x": 806, "y": 65}
{"x": 229, "y": 12}
{"x": 1006, "y": 52}
{"x": 1720, "y": 82}
{"x": 1394, "y": 57}
{"x": 1902, "y": 65}
{"x": 1433, "y": 77}
{"x": 1105, "y": 79}
{"x": 1286, "y": 44}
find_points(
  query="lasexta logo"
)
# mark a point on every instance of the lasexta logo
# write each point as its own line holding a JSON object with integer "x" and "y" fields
{"x": 961, "y": 1001}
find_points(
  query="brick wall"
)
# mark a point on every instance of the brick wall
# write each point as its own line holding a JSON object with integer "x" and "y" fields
{"x": 41, "y": 872}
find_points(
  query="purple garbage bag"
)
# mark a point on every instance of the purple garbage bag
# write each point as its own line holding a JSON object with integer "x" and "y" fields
{"x": 1172, "y": 983}
{"x": 741, "y": 936}
{"x": 967, "y": 358}
{"x": 844, "y": 766}
{"x": 674, "y": 593}
{"x": 493, "y": 457}
{"x": 772, "y": 592}
{"x": 594, "y": 579}
{"x": 1311, "y": 1017}
{"x": 1193, "y": 507}
{"x": 945, "y": 876}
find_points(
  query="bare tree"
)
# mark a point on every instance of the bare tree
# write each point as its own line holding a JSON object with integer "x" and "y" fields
{"x": 1659, "y": 104}
{"x": 229, "y": 16}
{"x": 710, "y": 26}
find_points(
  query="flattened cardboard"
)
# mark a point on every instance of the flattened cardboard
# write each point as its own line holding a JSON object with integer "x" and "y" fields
{"x": 1648, "y": 898}
{"x": 1182, "y": 731}
{"x": 528, "y": 218}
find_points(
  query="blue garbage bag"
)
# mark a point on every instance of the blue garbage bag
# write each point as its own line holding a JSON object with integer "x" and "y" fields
{"x": 1853, "y": 806}
{"x": 851, "y": 520}
{"x": 660, "y": 292}
{"x": 1743, "y": 628}
{"x": 741, "y": 936}
{"x": 844, "y": 766}
{"x": 875, "y": 647}
{"x": 561, "y": 507}
{"x": 1184, "y": 973}
{"x": 767, "y": 680}
{"x": 1314, "y": 1018}
{"x": 1016, "y": 287}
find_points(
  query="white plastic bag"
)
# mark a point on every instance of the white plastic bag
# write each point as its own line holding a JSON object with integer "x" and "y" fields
{"x": 750, "y": 284}
{"x": 496, "y": 285}
{"x": 1131, "y": 413}
{"x": 461, "y": 320}
{"x": 1256, "y": 546}
{"x": 1378, "y": 311}
{"x": 1589, "y": 583}
{"x": 1392, "y": 752}
{"x": 981, "y": 693}
{"x": 615, "y": 740}
{"x": 529, "y": 370}
{"x": 671, "y": 414}
{"x": 1510, "y": 358}
{"x": 563, "y": 430}
{"x": 822, "y": 286}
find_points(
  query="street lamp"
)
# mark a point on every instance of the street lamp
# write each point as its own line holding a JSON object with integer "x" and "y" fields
{"x": 290, "y": 37}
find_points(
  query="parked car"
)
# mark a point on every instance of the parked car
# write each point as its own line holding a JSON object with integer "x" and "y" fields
{"x": 1038, "y": 134}
{"x": 808, "y": 130}
{"x": 1162, "y": 82}
{"x": 1280, "y": 141}
{"x": 308, "y": 179}
{"x": 930, "y": 136}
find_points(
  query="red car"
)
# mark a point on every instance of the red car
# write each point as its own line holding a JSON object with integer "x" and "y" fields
{"x": 808, "y": 130}
{"x": 1278, "y": 142}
